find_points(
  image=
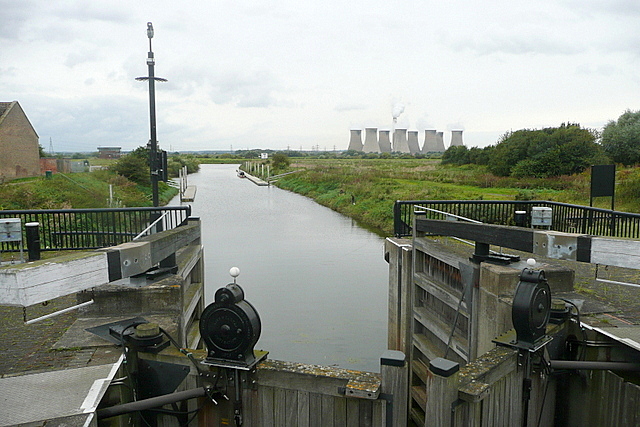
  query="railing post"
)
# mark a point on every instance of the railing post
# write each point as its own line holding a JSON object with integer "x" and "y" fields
{"x": 396, "y": 219}
{"x": 613, "y": 224}
{"x": 32, "y": 231}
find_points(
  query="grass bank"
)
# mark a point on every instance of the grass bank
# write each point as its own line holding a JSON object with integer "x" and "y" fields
{"x": 365, "y": 189}
{"x": 78, "y": 190}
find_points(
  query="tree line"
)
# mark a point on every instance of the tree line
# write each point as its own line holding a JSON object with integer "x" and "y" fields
{"x": 564, "y": 150}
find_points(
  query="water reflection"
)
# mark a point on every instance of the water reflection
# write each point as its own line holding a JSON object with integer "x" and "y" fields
{"x": 318, "y": 280}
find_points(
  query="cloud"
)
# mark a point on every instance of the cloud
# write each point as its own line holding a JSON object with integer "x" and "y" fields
{"x": 524, "y": 42}
{"x": 13, "y": 16}
{"x": 610, "y": 7}
{"x": 455, "y": 126}
{"x": 288, "y": 67}
{"x": 92, "y": 11}
{"x": 74, "y": 58}
{"x": 82, "y": 124}
{"x": 346, "y": 106}
{"x": 244, "y": 88}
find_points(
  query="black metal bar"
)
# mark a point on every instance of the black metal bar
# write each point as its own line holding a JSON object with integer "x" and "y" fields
{"x": 66, "y": 242}
{"x": 566, "y": 217}
{"x": 397, "y": 218}
{"x": 594, "y": 365}
{"x": 154, "y": 402}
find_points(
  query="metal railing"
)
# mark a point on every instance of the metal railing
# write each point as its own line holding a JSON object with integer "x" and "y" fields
{"x": 565, "y": 217}
{"x": 82, "y": 229}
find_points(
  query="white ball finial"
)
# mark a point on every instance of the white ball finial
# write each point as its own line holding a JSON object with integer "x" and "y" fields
{"x": 531, "y": 262}
{"x": 234, "y": 272}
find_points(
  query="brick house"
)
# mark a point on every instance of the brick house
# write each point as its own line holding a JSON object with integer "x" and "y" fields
{"x": 19, "y": 143}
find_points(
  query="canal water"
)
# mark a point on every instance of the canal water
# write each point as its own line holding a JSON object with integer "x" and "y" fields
{"x": 317, "y": 280}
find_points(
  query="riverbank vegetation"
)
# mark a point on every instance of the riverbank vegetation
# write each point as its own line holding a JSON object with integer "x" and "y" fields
{"x": 78, "y": 190}
{"x": 121, "y": 183}
{"x": 366, "y": 189}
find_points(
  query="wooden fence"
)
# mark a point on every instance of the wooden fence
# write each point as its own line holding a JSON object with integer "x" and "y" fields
{"x": 599, "y": 398}
{"x": 278, "y": 393}
{"x": 489, "y": 392}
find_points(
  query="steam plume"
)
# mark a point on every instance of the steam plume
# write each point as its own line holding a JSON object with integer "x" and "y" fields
{"x": 397, "y": 110}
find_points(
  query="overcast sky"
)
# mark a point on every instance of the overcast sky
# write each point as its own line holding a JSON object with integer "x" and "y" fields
{"x": 265, "y": 74}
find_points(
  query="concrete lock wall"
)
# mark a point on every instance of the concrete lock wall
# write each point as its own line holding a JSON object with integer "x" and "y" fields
{"x": 497, "y": 287}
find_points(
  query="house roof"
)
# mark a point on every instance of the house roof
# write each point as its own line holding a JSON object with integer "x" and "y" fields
{"x": 5, "y": 109}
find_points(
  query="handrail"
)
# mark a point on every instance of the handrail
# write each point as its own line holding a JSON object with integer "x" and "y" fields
{"x": 271, "y": 178}
{"x": 565, "y": 217}
{"x": 83, "y": 229}
{"x": 143, "y": 232}
{"x": 464, "y": 218}
{"x": 8, "y": 213}
{"x": 57, "y": 313}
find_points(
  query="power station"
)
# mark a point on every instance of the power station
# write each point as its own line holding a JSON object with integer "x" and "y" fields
{"x": 355, "y": 143}
{"x": 404, "y": 141}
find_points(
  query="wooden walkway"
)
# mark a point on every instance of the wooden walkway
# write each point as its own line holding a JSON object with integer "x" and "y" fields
{"x": 189, "y": 194}
{"x": 256, "y": 180}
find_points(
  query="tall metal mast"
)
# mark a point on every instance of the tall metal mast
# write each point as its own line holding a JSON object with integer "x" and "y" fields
{"x": 154, "y": 163}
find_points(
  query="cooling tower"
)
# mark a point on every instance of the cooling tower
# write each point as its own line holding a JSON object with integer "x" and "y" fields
{"x": 430, "y": 142}
{"x": 400, "y": 141}
{"x": 456, "y": 138}
{"x": 384, "y": 142}
{"x": 355, "y": 143}
{"x": 412, "y": 142}
{"x": 371, "y": 140}
{"x": 440, "y": 142}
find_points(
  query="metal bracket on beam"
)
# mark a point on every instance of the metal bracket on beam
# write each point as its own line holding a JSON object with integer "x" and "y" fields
{"x": 360, "y": 390}
{"x": 556, "y": 245}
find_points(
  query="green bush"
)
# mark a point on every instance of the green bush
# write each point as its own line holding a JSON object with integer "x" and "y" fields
{"x": 628, "y": 189}
{"x": 621, "y": 138}
{"x": 280, "y": 161}
{"x": 177, "y": 162}
{"x": 565, "y": 150}
{"x": 134, "y": 166}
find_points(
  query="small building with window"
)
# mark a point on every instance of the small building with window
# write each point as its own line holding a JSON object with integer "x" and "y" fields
{"x": 109, "y": 152}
